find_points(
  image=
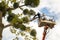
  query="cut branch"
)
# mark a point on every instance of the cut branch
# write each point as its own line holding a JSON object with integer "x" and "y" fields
{"x": 10, "y": 9}
{"x": 8, "y": 25}
{"x": 22, "y": 5}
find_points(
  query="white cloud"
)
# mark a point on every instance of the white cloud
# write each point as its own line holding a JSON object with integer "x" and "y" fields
{"x": 54, "y": 34}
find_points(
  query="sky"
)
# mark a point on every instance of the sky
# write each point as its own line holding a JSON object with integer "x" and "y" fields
{"x": 49, "y": 7}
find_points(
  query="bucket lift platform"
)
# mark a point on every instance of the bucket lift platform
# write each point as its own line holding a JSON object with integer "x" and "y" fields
{"x": 42, "y": 21}
{"x": 46, "y": 22}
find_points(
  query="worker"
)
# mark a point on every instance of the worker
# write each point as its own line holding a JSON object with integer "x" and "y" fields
{"x": 37, "y": 16}
{"x": 43, "y": 16}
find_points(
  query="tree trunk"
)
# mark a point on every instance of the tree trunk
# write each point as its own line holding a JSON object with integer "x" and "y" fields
{"x": 1, "y": 25}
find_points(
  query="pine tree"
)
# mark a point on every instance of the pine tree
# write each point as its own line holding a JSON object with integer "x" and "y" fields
{"x": 13, "y": 18}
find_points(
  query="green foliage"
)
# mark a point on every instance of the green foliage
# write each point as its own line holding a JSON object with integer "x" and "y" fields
{"x": 21, "y": 26}
{"x": 28, "y": 12}
{"x": 16, "y": 25}
{"x": 13, "y": 30}
{"x": 32, "y": 12}
{"x": 28, "y": 29}
{"x": 20, "y": 21}
{"x": 16, "y": 5}
{"x": 32, "y": 3}
{"x": 13, "y": 1}
{"x": 33, "y": 32}
{"x": 22, "y": 33}
{"x": 2, "y": 5}
{"x": 25, "y": 19}
{"x": 25, "y": 11}
{"x": 9, "y": 10}
{"x": 16, "y": 38}
{"x": 10, "y": 17}
{"x": 14, "y": 19}
{"x": 34, "y": 38}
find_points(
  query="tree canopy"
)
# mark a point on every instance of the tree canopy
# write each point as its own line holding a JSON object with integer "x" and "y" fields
{"x": 32, "y": 3}
{"x": 13, "y": 19}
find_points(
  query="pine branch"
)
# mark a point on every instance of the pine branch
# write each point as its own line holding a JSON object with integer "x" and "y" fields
{"x": 21, "y": 6}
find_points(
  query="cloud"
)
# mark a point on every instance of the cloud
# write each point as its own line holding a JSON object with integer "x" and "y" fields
{"x": 49, "y": 12}
{"x": 46, "y": 6}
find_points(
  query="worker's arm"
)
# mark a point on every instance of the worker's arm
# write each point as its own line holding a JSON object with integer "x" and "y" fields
{"x": 36, "y": 16}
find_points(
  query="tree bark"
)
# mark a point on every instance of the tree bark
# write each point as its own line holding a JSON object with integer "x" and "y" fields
{"x": 1, "y": 25}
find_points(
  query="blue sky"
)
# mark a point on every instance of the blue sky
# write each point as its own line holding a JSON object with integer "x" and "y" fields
{"x": 47, "y": 11}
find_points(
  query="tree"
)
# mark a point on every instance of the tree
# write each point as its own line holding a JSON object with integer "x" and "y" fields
{"x": 19, "y": 23}
{"x": 33, "y": 32}
{"x": 32, "y": 3}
